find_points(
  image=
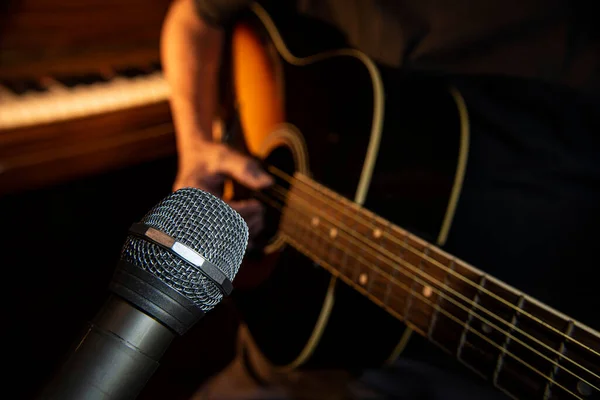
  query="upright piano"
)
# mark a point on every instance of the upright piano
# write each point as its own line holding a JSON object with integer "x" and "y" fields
{"x": 81, "y": 89}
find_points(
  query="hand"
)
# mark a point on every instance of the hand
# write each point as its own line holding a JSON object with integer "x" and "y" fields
{"x": 206, "y": 165}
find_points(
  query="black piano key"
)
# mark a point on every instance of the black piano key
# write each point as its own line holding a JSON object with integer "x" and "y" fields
{"x": 156, "y": 66}
{"x": 85, "y": 79}
{"x": 22, "y": 86}
{"x": 89, "y": 79}
{"x": 131, "y": 72}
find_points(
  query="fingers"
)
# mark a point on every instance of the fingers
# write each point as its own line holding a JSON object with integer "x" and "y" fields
{"x": 255, "y": 225}
{"x": 243, "y": 169}
{"x": 200, "y": 173}
{"x": 207, "y": 167}
{"x": 253, "y": 213}
{"x": 248, "y": 208}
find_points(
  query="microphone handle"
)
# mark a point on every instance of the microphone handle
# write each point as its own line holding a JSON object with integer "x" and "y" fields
{"x": 115, "y": 358}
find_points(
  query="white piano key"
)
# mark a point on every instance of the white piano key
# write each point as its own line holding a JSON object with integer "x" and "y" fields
{"x": 6, "y": 95}
{"x": 61, "y": 103}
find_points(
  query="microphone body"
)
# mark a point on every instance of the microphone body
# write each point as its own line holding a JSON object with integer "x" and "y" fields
{"x": 116, "y": 357}
{"x": 176, "y": 265}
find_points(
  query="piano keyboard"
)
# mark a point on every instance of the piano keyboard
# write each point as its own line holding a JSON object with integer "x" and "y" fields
{"x": 53, "y": 99}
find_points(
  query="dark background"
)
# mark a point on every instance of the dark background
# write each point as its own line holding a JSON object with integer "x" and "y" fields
{"x": 60, "y": 245}
{"x": 70, "y": 190}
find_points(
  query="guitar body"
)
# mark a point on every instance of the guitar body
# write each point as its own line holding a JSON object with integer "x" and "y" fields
{"x": 317, "y": 119}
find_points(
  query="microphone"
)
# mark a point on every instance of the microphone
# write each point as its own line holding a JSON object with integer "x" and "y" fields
{"x": 177, "y": 263}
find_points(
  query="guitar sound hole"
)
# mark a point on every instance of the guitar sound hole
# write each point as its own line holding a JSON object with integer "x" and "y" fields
{"x": 281, "y": 158}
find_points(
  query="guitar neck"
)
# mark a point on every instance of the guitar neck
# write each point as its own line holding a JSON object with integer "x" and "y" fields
{"x": 525, "y": 348}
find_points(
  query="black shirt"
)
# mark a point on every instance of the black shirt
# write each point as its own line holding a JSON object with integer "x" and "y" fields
{"x": 550, "y": 40}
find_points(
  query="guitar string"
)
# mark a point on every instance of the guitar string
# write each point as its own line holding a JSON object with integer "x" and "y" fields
{"x": 441, "y": 310}
{"x": 468, "y": 302}
{"x": 406, "y": 288}
{"x": 516, "y": 328}
{"x": 419, "y": 253}
{"x": 454, "y": 292}
{"x": 377, "y": 118}
{"x": 437, "y": 308}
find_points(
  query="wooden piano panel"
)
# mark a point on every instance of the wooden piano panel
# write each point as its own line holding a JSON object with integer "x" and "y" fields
{"x": 45, "y": 155}
{"x": 48, "y": 36}
{"x": 41, "y": 39}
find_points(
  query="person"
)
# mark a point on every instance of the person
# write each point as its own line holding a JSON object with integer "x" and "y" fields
{"x": 529, "y": 72}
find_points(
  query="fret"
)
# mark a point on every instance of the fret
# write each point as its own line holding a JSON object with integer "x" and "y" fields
{"x": 344, "y": 263}
{"x": 397, "y": 246}
{"x": 434, "y": 316}
{"x": 427, "y": 282}
{"x": 397, "y": 293}
{"x": 416, "y": 282}
{"x": 377, "y": 236}
{"x": 385, "y": 244}
{"x": 377, "y": 261}
{"x": 533, "y": 350}
{"x": 334, "y": 254}
{"x": 467, "y": 323}
{"x": 558, "y": 359}
{"x": 509, "y": 335}
{"x": 454, "y": 312}
{"x": 415, "y": 279}
{"x": 315, "y": 241}
{"x": 581, "y": 365}
{"x": 490, "y": 325}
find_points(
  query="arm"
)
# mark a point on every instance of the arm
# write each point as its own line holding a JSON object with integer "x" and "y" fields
{"x": 190, "y": 54}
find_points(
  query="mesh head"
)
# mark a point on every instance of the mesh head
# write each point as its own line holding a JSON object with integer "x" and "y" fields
{"x": 206, "y": 224}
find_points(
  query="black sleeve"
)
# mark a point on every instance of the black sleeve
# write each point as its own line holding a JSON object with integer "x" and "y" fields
{"x": 220, "y": 12}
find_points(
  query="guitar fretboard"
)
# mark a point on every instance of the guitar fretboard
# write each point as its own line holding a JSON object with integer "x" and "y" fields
{"x": 525, "y": 348}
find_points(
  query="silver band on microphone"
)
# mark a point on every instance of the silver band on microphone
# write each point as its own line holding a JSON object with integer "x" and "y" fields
{"x": 185, "y": 253}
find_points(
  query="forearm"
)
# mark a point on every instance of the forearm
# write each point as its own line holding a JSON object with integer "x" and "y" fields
{"x": 190, "y": 53}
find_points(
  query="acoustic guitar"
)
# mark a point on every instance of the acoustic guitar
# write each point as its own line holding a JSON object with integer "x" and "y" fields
{"x": 351, "y": 263}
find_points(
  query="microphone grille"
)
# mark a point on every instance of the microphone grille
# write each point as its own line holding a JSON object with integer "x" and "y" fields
{"x": 206, "y": 224}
